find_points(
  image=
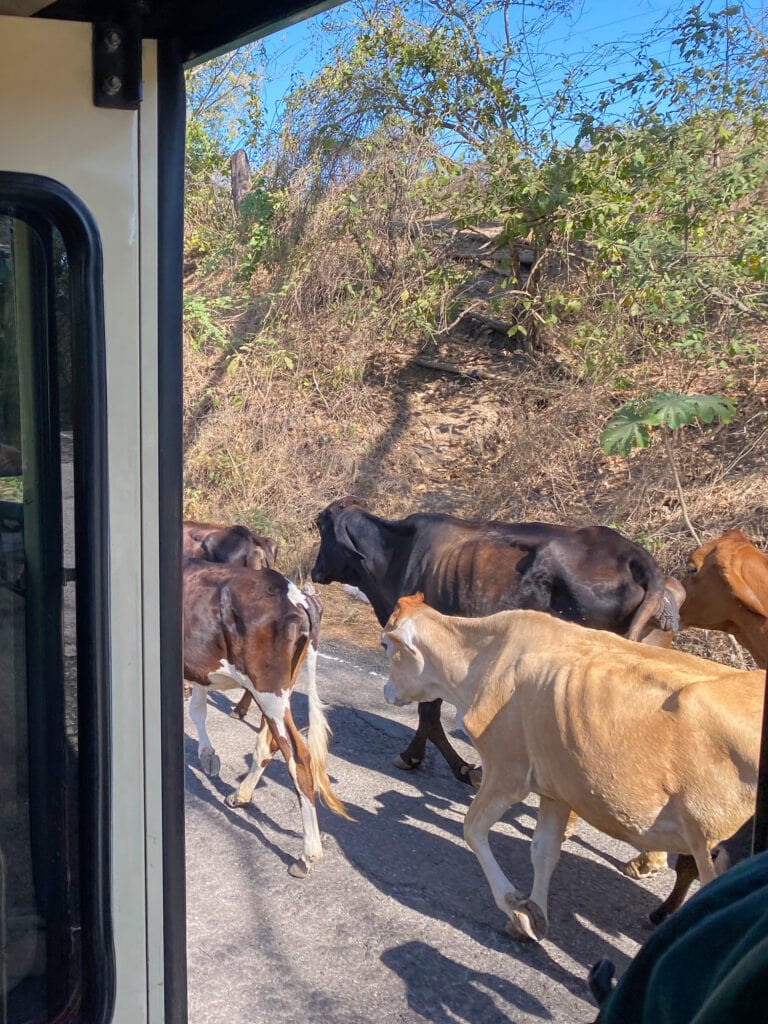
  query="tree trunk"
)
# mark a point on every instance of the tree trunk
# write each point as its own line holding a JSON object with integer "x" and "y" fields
{"x": 240, "y": 176}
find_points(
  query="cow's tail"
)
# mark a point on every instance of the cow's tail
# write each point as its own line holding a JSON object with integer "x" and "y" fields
{"x": 317, "y": 738}
{"x": 660, "y": 608}
{"x": 319, "y": 731}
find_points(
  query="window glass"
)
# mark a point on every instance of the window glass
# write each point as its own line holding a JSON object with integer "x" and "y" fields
{"x": 39, "y": 792}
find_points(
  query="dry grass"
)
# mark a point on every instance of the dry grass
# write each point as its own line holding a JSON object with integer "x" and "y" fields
{"x": 319, "y": 397}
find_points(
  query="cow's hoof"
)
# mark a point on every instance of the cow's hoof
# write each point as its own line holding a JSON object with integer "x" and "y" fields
{"x": 237, "y": 713}
{"x": 656, "y": 917}
{"x": 601, "y": 980}
{"x": 470, "y": 774}
{"x": 210, "y": 762}
{"x": 649, "y": 862}
{"x": 232, "y": 800}
{"x": 527, "y": 921}
{"x": 299, "y": 868}
{"x": 406, "y": 763}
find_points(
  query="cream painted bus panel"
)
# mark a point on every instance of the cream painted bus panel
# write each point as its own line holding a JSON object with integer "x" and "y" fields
{"x": 50, "y": 127}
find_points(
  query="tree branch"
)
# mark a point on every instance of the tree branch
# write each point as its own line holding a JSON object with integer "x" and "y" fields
{"x": 681, "y": 497}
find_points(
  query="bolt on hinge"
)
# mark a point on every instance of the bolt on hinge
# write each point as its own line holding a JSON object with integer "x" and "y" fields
{"x": 117, "y": 64}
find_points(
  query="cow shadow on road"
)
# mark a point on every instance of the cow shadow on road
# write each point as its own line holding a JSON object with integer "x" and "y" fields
{"x": 254, "y": 823}
{"x": 443, "y": 991}
{"x": 410, "y": 846}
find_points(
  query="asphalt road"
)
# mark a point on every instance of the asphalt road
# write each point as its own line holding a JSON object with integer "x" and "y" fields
{"x": 396, "y": 924}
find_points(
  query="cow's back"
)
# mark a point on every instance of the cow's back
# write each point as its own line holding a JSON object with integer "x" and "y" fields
{"x": 473, "y": 569}
{"x": 473, "y": 577}
{"x": 231, "y": 611}
{"x": 469, "y": 567}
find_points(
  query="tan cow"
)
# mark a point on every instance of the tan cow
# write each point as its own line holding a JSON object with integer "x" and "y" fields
{"x": 656, "y": 748}
{"x": 727, "y": 589}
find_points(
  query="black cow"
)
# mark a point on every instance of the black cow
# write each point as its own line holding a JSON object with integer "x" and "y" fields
{"x": 725, "y": 854}
{"x": 591, "y": 575}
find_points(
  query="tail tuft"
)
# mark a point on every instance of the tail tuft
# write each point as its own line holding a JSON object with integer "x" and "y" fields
{"x": 317, "y": 740}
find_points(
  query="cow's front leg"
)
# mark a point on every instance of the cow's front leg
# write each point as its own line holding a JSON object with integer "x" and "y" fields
{"x": 262, "y": 755}
{"x": 528, "y": 918}
{"x": 494, "y": 798}
{"x": 198, "y": 709}
{"x": 413, "y": 754}
{"x": 686, "y": 874}
{"x": 240, "y": 710}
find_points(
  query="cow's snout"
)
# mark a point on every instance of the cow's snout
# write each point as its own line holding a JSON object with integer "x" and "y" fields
{"x": 391, "y": 696}
{"x": 318, "y": 576}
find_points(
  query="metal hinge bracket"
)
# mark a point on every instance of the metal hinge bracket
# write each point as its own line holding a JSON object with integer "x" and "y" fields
{"x": 117, "y": 62}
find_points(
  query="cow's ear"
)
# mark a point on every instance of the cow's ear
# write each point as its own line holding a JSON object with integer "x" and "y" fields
{"x": 210, "y": 548}
{"x": 403, "y": 636}
{"x": 753, "y": 598}
{"x": 346, "y": 538}
{"x": 270, "y": 547}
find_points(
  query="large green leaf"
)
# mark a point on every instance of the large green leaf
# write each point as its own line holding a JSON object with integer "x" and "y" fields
{"x": 711, "y": 407}
{"x": 627, "y": 429}
{"x": 631, "y": 426}
{"x": 673, "y": 410}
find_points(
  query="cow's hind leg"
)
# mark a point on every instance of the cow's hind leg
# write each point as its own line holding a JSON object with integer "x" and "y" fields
{"x": 297, "y": 758}
{"x": 262, "y": 755}
{"x": 493, "y": 799}
{"x": 529, "y": 917}
{"x": 198, "y": 708}
{"x": 430, "y": 727}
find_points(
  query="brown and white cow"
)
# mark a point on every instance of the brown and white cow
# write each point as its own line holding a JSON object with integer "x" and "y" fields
{"x": 230, "y": 545}
{"x": 10, "y": 460}
{"x": 233, "y": 544}
{"x": 254, "y": 629}
{"x": 654, "y": 747}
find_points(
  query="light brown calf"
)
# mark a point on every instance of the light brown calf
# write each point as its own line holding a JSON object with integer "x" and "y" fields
{"x": 656, "y": 748}
{"x": 727, "y": 589}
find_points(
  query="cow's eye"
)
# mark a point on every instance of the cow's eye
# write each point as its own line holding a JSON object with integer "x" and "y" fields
{"x": 692, "y": 570}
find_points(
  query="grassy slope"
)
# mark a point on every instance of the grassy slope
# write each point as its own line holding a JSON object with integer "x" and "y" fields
{"x": 270, "y": 444}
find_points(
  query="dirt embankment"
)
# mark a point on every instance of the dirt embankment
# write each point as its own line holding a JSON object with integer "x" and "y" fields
{"x": 479, "y": 433}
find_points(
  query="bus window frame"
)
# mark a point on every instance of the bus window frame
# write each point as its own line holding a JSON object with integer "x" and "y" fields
{"x": 36, "y": 199}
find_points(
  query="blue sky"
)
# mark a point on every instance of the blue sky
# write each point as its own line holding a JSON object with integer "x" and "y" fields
{"x": 606, "y": 32}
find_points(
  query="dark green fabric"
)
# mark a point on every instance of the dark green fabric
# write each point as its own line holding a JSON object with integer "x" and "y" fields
{"x": 708, "y": 964}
